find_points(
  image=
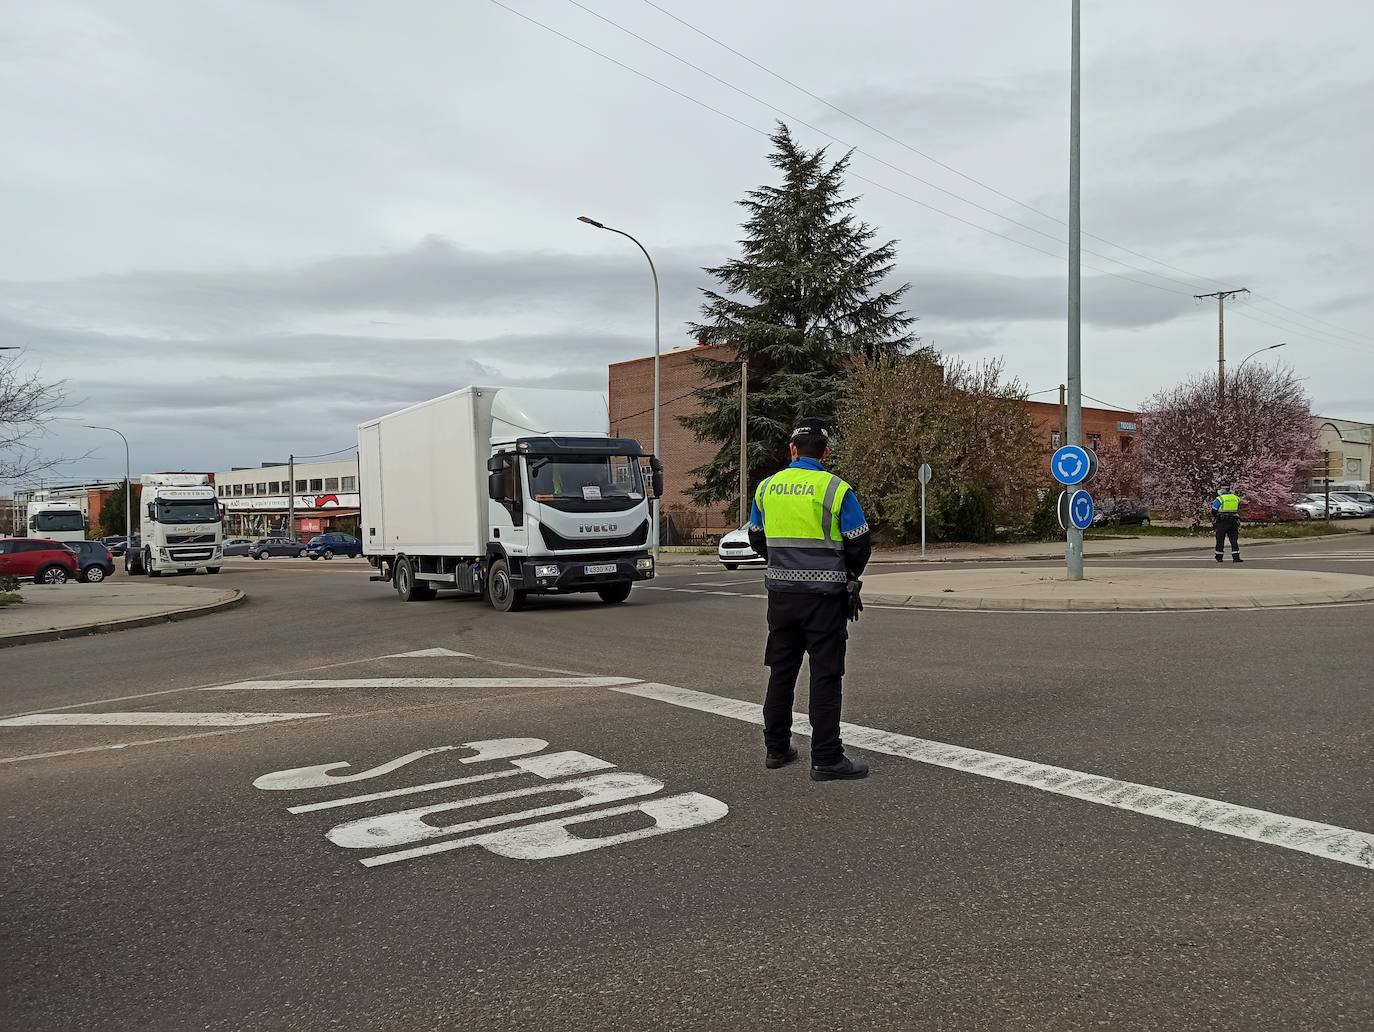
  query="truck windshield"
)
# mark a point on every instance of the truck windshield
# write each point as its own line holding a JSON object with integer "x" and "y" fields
{"x": 193, "y": 510}
{"x": 585, "y": 477}
{"x": 51, "y": 522}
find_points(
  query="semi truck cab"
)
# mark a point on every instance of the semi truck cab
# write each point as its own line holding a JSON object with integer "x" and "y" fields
{"x": 56, "y": 521}
{"x": 181, "y": 526}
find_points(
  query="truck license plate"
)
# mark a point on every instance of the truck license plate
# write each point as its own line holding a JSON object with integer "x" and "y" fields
{"x": 602, "y": 568}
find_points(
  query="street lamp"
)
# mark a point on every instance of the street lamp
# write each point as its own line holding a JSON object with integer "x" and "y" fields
{"x": 653, "y": 272}
{"x": 128, "y": 492}
{"x": 1261, "y": 351}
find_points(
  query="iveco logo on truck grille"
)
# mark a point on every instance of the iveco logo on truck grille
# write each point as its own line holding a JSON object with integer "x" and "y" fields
{"x": 597, "y": 528}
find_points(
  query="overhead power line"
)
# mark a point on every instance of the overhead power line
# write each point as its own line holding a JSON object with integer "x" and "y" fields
{"x": 1297, "y": 332}
{"x": 1196, "y": 277}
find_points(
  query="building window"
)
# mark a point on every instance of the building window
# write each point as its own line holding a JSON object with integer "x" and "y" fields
{"x": 331, "y": 483}
{"x": 317, "y": 485}
{"x": 1055, "y": 439}
{"x": 248, "y": 490}
{"x": 262, "y": 489}
{"x": 350, "y": 483}
{"x": 238, "y": 490}
{"x": 274, "y": 486}
{"x": 1095, "y": 442}
{"x": 300, "y": 485}
{"x": 1127, "y": 442}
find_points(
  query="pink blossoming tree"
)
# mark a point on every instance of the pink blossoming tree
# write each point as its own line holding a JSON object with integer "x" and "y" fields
{"x": 1259, "y": 439}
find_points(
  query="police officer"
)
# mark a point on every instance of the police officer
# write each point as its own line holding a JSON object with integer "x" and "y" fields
{"x": 811, "y": 528}
{"x": 1226, "y": 506}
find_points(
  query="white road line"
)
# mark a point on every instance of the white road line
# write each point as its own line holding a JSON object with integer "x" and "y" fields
{"x": 425, "y": 653}
{"x": 146, "y": 719}
{"x": 425, "y": 682}
{"x": 1323, "y": 840}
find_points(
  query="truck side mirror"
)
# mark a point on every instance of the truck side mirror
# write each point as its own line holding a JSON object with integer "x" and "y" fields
{"x": 496, "y": 464}
{"x": 496, "y": 489}
{"x": 657, "y": 479}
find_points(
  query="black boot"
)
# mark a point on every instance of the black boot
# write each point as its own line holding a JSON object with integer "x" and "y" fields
{"x": 845, "y": 770}
{"x": 782, "y": 759}
{"x": 1221, "y": 558}
{"x": 1235, "y": 558}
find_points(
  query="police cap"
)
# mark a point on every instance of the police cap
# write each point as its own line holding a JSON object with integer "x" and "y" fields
{"x": 811, "y": 428}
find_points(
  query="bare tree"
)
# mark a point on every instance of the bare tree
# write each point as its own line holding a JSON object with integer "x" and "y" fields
{"x": 27, "y": 402}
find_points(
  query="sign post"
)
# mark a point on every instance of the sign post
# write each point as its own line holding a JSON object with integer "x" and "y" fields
{"x": 1073, "y": 465}
{"x": 923, "y": 475}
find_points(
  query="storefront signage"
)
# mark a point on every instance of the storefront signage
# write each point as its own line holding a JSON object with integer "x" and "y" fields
{"x": 1125, "y": 427}
{"x": 280, "y": 502}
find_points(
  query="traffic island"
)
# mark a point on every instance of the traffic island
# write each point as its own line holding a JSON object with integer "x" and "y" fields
{"x": 49, "y": 612}
{"x": 1114, "y": 589}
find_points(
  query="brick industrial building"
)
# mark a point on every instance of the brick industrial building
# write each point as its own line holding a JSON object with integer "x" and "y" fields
{"x": 631, "y": 390}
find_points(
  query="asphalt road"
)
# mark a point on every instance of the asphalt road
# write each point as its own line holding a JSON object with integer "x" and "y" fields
{"x": 151, "y": 884}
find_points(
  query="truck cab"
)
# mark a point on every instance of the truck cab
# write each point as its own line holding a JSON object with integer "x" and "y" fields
{"x": 181, "y": 526}
{"x": 56, "y": 521}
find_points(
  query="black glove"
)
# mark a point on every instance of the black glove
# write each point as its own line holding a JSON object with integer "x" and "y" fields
{"x": 856, "y": 603}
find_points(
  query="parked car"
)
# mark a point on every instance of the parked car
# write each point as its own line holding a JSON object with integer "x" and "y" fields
{"x": 1339, "y": 509}
{"x": 735, "y": 551}
{"x": 277, "y": 546}
{"x": 1125, "y": 512}
{"x": 1362, "y": 507}
{"x": 112, "y": 540}
{"x": 1310, "y": 510}
{"x": 1360, "y": 496}
{"x": 93, "y": 561}
{"x": 117, "y": 547}
{"x": 327, "y": 546}
{"x": 38, "y": 559}
{"x": 239, "y": 546}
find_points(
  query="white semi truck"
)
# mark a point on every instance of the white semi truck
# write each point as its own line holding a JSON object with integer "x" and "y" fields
{"x": 56, "y": 520}
{"x": 180, "y": 525}
{"x": 506, "y": 492}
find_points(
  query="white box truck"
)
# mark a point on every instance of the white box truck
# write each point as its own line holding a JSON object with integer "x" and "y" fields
{"x": 56, "y": 520}
{"x": 505, "y": 492}
{"x": 180, "y": 526}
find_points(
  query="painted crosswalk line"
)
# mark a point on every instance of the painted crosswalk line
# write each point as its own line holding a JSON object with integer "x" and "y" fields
{"x": 146, "y": 719}
{"x": 1323, "y": 840}
{"x": 422, "y": 682}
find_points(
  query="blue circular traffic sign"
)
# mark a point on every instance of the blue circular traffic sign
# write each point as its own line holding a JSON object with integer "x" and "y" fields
{"x": 1081, "y": 509}
{"x": 1071, "y": 465}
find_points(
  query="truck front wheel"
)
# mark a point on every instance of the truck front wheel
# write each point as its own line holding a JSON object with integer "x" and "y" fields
{"x": 615, "y": 592}
{"x": 501, "y": 593}
{"x": 148, "y": 565}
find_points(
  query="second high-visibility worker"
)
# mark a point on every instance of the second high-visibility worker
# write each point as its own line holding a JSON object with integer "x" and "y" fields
{"x": 810, "y": 526}
{"x": 1226, "y": 506}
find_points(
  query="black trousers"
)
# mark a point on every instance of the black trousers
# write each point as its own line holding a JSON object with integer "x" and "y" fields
{"x": 815, "y": 625}
{"x": 1228, "y": 529}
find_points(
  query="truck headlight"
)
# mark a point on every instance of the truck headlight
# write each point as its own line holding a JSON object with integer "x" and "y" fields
{"x": 644, "y": 564}
{"x": 546, "y": 571}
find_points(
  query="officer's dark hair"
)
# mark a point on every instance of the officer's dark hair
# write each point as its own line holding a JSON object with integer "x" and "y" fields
{"x": 811, "y": 446}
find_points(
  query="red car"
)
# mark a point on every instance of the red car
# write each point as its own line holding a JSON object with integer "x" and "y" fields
{"x": 37, "y": 559}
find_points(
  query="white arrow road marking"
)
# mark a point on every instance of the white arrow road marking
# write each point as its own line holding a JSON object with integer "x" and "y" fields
{"x": 153, "y": 719}
{"x": 421, "y": 653}
{"x": 1324, "y": 840}
{"x": 425, "y": 682}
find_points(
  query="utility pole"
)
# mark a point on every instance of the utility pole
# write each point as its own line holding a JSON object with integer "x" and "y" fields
{"x": 1221, "y": 296}
{"x": 744, "y": 441}
{"x": 291, "y": 498}
{"x": 1073, "y": 549}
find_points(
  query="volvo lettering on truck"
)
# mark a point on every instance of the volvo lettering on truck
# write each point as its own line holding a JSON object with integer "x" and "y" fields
{"x": 506, "y": 492}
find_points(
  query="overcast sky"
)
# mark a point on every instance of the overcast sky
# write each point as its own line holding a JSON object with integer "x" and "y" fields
{"x": 238, "y": 228}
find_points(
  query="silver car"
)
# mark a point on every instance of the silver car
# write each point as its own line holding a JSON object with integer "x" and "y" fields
{"x": 1362, "y": 507}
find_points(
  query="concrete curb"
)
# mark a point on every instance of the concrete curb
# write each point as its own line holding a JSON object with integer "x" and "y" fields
{"x": 107, "y": 626}
{"x": 1114, "y": 605}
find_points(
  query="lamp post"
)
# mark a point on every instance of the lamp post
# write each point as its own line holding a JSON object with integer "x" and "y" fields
{"x": 128, "y": 490}
{"x": 653, "y": 272}
{"x": 1261, "y": 351}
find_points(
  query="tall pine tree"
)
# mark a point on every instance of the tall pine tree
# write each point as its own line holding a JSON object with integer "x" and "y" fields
{"x": 801, "y": 304}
